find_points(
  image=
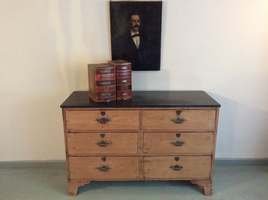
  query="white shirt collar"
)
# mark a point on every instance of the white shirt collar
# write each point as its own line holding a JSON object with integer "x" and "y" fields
{"x": 134, "y": 33}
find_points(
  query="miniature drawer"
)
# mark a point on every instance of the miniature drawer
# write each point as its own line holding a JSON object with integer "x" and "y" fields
{"x": 101, "y": 143}
{"x": 96, "y": 120}
{"x": 179, "y": 120}
{"x": 104, "y": 168}
{"x": 184, "y": 143}
{"x": 179, "y": 168}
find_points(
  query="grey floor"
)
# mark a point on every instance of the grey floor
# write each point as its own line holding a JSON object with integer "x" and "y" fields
{"x": 231, "y": 182}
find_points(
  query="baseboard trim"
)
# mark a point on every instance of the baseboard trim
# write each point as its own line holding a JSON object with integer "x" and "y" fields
{"x": 242, "y": 161}
{"x": 61, "y": 163}
{"x": 33, "y": 164}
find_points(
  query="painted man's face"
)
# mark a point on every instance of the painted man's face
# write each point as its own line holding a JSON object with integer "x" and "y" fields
{"x": 135, "y": 23}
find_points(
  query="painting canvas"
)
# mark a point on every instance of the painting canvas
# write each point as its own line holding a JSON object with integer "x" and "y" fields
{"x": 136, "y": 33}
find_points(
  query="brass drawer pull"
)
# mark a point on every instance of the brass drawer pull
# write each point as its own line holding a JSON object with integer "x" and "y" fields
{"x": 104, "y": 143}
{"x": 103, "y": 168}
{"x": 176, "y": 167}
{"x": 103, "y": 119}
{"x": 177, "y": 143}
{"x": 178, "y": 119}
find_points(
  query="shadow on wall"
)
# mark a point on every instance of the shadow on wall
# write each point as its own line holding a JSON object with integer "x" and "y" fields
{"x": 42, "y": 120}
{"x": 242, "y": 131}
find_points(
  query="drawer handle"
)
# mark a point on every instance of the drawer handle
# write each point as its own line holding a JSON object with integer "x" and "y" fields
{"x": 104, "y": 143}
{"x": 177, "y": 143}
{"x": 176, "y": 167}
{"x": 178, "y": 119}
{"x": 103, "y": 168}
{"x": 103, "y": 119}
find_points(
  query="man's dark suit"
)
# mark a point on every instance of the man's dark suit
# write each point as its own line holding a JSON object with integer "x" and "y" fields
{"x": 127, "y": 50}
{"x": 137, "y": 56}
{"x": 142, "y": 58}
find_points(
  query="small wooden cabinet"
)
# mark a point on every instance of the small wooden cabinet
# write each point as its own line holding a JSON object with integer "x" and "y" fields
{"x": 158, "y": 135}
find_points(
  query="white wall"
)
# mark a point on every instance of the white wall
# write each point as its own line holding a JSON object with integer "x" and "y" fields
{"x": 218, "y": 46}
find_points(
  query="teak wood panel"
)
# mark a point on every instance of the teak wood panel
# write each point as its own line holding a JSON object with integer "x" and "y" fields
{"x": 87, "y": 120}
{"x": 94, "y": 143}
{"x": 188, "y": 120}
{"x": 184, "y": 167}
{"x": 103, "y": 168}
{"x": 186, "y": 143}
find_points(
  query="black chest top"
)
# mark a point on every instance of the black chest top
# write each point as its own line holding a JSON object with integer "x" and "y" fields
{"x": 145, "y": 99}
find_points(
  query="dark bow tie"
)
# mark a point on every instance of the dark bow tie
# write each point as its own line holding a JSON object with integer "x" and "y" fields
{"x": 135, "y": 35}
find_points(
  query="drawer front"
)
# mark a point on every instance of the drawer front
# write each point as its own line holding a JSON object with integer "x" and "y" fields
{"x": 185, "y": 120}
{"x": 104, "y": 168}
{"x": 189, "y": 143}
{"x": 94, "y": 143}
{"x": 181, "y": 168}
{"x": 88, "y": 120}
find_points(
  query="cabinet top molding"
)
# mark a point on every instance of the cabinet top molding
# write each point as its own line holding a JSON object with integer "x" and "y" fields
{"x": 145, "y": 99}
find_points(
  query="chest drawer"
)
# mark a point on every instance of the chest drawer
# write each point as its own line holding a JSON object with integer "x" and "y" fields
{"x": 89, "y": 120}
{"x": 183, "y": 120}
{"x": 94, "y": 143}
{"x": 189, "y": 143}
{"x": 104, "y": 168}
{"x": 182, "y": 167}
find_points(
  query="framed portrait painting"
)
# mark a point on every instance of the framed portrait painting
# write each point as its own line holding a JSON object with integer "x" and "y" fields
{"x": 136, "y": 33}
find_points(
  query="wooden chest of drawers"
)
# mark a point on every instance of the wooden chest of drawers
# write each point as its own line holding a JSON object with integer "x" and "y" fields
{"x": 167, "y": 135}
